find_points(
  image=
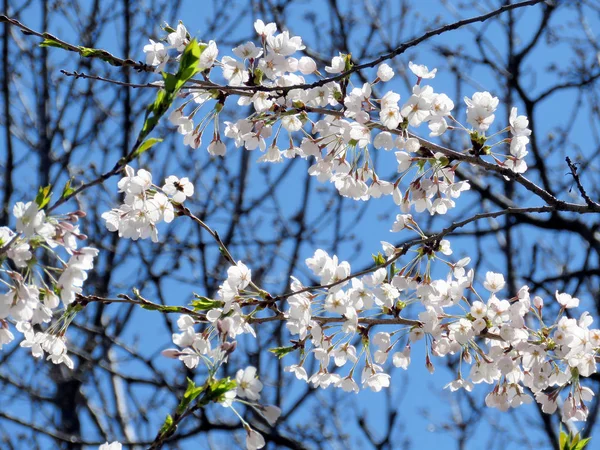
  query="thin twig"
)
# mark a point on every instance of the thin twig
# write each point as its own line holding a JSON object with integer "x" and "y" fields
{"x": 580, "y": 187}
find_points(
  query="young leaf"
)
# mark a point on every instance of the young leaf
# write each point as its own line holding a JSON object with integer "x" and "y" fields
{"x": 219, "y": 387}
{"x": 191, "y": 393}
{"x": 562, "y": 439}
{"x": 166, "y": 426}
{"x": 43, "y": 196}
{"x": 67, "y": 190}
{"x": 280, "y": 352}
{"x": 582, "y": 444}
{"x": 146, "y": 145}
{"x": 205, "y": 304}
{"x": 52, "y": 43}
{"x": 379, "y": 259}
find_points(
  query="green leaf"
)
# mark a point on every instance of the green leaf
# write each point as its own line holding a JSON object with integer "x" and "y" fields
{"x": 166, "y": 426}
{"x": 67, "y": 190}
{"x": 205, "y": 304}
{"x": 280, "y": 352}
{"x": 188, "y": 66}
{"x": 218, "y": 388}
{"x": 150, "y": 307}
{"x": 168, "y": 28}
{"x": 347, "y": 62}
{"x": 191, "y": 393}
{"x": 43, "y": 196}
{"x": 48, "y": 42}
{"x": 582, "y": 443}
{"x": 146, "y": 145}
{"x": 379, "y": 259}
{"x": 190, "y": 58}
{"x": 443, "y": 161}
{"x": 88, "y": 52}
{"x": 170, "y": 81}
{"x": 98, "y": 53}
{"x": 161, "y": 308}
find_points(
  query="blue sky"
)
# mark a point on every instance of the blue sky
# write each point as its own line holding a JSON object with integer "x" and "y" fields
{"x": 417, "y": 389}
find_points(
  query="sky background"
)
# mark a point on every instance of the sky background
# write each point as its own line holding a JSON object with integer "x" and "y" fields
{"x": 423, "y": 405}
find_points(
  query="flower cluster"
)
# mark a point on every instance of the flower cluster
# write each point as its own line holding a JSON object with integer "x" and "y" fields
{"x": 336, "y": 323}
{"x": 342, "y": 143}
{"x": 144, "y": 205}
{"x": 508, "y": 342}
{"x": 34, "y": 294}
{"x": 225, "y": 317}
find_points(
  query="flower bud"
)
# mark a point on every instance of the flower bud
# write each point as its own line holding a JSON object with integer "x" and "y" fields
{"x": 229, "y": 347}
{"x": 172, "y": 353}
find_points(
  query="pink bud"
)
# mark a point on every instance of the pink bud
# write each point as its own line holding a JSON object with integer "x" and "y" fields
{"x": 229, "y": 347}
{"x": 429, "y": 364}
{"x": 538, "y": 302}
{"x": 467, "y": 356}
{"x": 172, "y": 353}
{"x": 66, "y": 226}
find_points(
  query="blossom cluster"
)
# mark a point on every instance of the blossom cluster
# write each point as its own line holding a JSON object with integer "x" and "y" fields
{"x": 357, "y": 322}
{"x": 508, "y": 342}
{"x": 341, "y": 145}
{"x": 225, "y": 317}
{"x": 144, "y": 205}
{"x": 350, "y": 324}
{"x": 225, "y": 321}
{"x": 34, "y": 293}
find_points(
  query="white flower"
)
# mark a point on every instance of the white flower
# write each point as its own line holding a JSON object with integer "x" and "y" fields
{"x": 298, "y": 371}
{"x": 71, "y": 280}
{"x": 385, "y": 72}
{"x": 6, "y": 337}
{"x": 178, "y": 189}
{"x": 112, "y": 446}
{"x": 238, "y": 276}
{"x": 374, "y": 379}
{"x": 494, "y": 282}
{"x": 217, "y": 148}
{"x": 390, "y": 117}
{"x": 480, "y": 110}
{"x": 307, "y": 65}
{"x": 566, "y": 301}
{"x": 338, "y": 64}
{"x": 402, "y": 359}
{"x": 156, "y": 55}
{"x": 421, "y": 71}
{"x": 254, "y": 440}
{"x": 234, "y": 71}
{"x": 163, "y": 208}
{"x": 264, "y": 30}
{"x": 402, "y": 221}
{"x": 291, "y": 123}
{"x": 248, "y": 386}
{"x": 178, "y": 39}
{"x": 518, "y": 124}
{"x": 384, "y": 140}
{"x": 208, "y": 56}
{"x": 284, "y": 45}
{"x": 270, "y": 412}
{"x": 417, "y": 108}
{"x": 248, "y": 51}
{"x": 31, "y": 221}
{"x": 227, "y": 398}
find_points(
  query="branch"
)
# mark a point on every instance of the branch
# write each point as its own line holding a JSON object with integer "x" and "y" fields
{"x": 102, "y": 54}
{"x": 580, "y": 187}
